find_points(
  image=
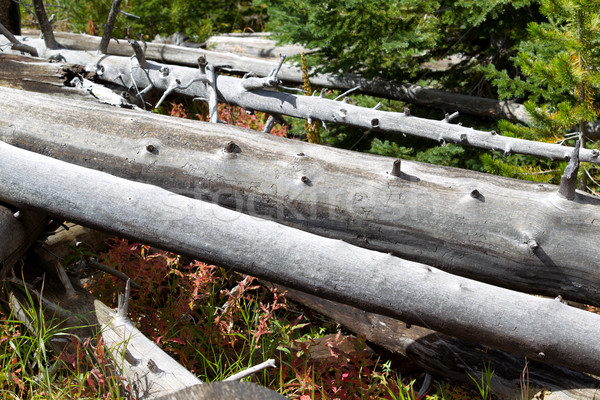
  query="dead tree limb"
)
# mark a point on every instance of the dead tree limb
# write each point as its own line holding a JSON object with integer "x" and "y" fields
{"x": 45, "y": 26}
{"x": 186, "y": 81}
{"x": 16, "y": 44}
{"x": 408, "y": 92}
{"x": 568, "y": 181}
{"x": 498, "y": 230}
{"x": 375, "y": 282}
{"x": 108, "y": 27}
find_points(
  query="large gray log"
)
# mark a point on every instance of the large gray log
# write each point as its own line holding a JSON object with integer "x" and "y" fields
{"x": 411, "y": 93}
{"x": 539, "y": 328}
{"x": 512, "y": 233}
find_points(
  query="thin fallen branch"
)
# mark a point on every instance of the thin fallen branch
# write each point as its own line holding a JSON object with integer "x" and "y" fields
{"x": 17, "y": 45}
{"x": 93, "y": 263}
{"x": 270, "y": 363}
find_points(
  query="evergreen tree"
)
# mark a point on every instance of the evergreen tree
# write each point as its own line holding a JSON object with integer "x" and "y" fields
{"x": 393, "y": 39}
{"x": 558, "y": 73}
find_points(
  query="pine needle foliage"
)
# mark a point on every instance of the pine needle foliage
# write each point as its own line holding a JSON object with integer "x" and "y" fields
{"x": 196, "y": 19}
{"x": 558, "y": 71}
{"x": 379, "y": 38}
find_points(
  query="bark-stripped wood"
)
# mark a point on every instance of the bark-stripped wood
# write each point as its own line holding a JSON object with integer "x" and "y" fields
{"x": 187, "y": 81}
{"x": 149, "y": 371}
{"x": 375, "y": 282}
{"x": 444, "y": 355}
{"x": 256, "y": 44}
{"x": 472, "y": 224}
{"x": 411, "y": 93}
{"x": 192, "y": 82}
{"x": 225, "y": 391}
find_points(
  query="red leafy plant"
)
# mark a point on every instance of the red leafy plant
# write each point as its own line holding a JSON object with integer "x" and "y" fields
{"x": 216, "y": 323}
{"x": 230, "y": 114}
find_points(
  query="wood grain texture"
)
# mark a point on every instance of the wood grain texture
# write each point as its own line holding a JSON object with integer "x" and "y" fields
{"x": 375, "y": 282}
{"x": 427, "y": 214}
{"x": 225, "y": 391}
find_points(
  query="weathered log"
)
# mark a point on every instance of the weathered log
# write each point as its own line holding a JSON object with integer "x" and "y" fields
{"x": 247, "y": 94}
{"x": 494, "y": 229}
{"x": 411, "y": 93}
{"x": 452, "y": 358}
{"x": 415, "y": 293}
{"x": 436, "y": 353}
{"x": 225, "y": 391}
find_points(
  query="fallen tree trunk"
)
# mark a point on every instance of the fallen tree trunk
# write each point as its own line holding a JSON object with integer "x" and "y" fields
{"x": 376, "y": 282}
{"x": 257, "y": 45}
{"x": 249, "y": 94}
{"x": 456, "y": 359}
{"x": 502, "y": 231}
{"x": 410, "y": 93}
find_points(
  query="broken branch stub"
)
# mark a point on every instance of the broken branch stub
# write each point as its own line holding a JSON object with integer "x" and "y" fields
{"x": 108, "y": 27}
{"x": 118, "y": 70}
{"x": 45, "y": 26}
{"x": 568, "y": 181}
